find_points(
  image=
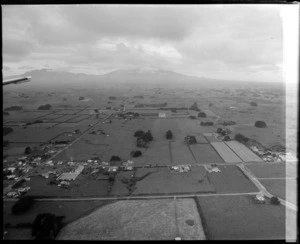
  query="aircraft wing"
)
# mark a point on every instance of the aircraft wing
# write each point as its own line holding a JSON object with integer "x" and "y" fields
{"x": 16, "y": 80}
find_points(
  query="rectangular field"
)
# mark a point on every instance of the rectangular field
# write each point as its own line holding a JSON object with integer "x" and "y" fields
{"x": 152, "y": 219}
{"x": 80, "y": 118}
{"x": 205, "y": 154}
{"x": 181, "y": 154}
{"x": 64, "y": 118}
{"x": 239, "y": 218}
{"x": 279, "y": 187}
{"x": 163, "y": 181}
{"x": 210, "y": 113}
{"x": 65, "y": 112}
{"x": 243, "y": 152}
{"x": 34, "y": 134}
{"x": 278, "y": 170}
{"x": 24, "y": 116}
{"x": 225, "y": 152}
{"x": 231, "y": 180}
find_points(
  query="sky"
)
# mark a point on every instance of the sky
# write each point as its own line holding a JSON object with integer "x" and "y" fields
{"x": 238, "y": 42}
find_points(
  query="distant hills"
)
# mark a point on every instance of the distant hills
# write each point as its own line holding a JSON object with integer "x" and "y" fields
{"x": 140, "y": 76}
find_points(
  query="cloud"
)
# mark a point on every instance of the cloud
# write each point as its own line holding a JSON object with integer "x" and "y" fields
{"x": 194, "y": 39}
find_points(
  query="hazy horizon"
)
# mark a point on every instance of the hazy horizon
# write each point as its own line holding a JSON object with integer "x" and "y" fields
{"x": 213, "y": 41}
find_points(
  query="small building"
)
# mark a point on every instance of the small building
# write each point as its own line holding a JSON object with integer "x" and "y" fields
{"x": 162, "y": 115}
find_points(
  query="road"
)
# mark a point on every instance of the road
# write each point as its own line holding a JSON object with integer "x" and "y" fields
{"x": 79, "y": 137}
{"x": 263, "y": 190}
{"x": 139, "y": 197}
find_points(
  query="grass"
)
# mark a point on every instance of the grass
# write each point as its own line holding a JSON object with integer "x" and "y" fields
{"x": 277, "y": 170}
{"x": 163, "y": 181}
{"x": 138, "y": 220}
{"x": 205, "y": 153}
{"x": 231, "y": 180}
{"x": 239, "y": 218}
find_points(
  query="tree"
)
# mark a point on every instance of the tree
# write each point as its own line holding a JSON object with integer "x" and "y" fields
{"x": 260, "y": 124}
{"x": 115, "y": 158}
{"x": 139, "y": 133}
{"x": 192, "y": 117}
{"x": 169, "y": 134}
{"x": 226, "y": 138}
{"x": 195, "y": 107}
{"x": 136, "y": 153}
{"x": 253, "y": 104}
{"x": 274, "y": 200}
{"x": 202, "y": 115}
{"x": 23, "y": 204}
{"x": 219, "y": 130}
{"x": 28, "y": 150}
{"x": 241, "y": 138}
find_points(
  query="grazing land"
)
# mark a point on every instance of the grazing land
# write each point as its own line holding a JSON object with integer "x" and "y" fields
{"x": 238, "y": 218}
{"x": 138, "y": 220}
{"x": 205, "y": 154}
{"x": 225, "y": 152}
{"x": 231, "y": 180}
{"x": 283, "y": 188}
{"x": 278, "y": 170}
{"x": 163, "y": 181}
{"x": 243, "y": 152}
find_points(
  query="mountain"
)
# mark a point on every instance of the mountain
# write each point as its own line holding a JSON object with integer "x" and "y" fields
{"x": 141, "y": 77}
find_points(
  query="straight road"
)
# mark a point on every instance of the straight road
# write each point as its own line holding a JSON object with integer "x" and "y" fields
{"x": 263, "y": 189}
{"x": 138, "y": 197}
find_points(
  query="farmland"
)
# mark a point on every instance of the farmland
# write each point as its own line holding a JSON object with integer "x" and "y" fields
{"x": 225, "y": 152}
{"x": 205, "y": 154}
{"x": 138, "y": 220}
{"x": 243, "y": 152}
{"x": 239, "y": 218}
{"x": 163, "y": 181}
{"x": 279, "y": 170}
{"x": 231, "y": 180}
{"x": 283, "y": 188}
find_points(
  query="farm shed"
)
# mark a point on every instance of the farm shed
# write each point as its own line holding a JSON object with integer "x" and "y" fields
{"x": 162, "y": 115}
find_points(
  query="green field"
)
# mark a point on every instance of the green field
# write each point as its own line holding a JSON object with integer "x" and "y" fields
{"x": 239, "y": 218}
{"x": 139, "y": 220}
{"x": 231, "y": 180}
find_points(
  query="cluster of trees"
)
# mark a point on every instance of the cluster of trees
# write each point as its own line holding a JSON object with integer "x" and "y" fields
{"x": 143, "y": 138}
{"x": 253, "y": 104}
{"x": 195, "y": 107}
{"x": 13, "y": 108}
{"x": 115, "y": 158}
{"x": 45, "y": 107}
{"x": 46, "y": 226}
{"x": 260, "y": 124}
{"x": 112, "y": 98}
{"x": 6, "y": 113}
{"x": 136, "y": 154}
{"x": 207, "y": 123}
{"x": 202, "y": 115}
{"x": 28, "y": 150}
{"x": 154, "y": 105}
{"x": 169, "y": 134}
{"x": 192, "y": 117}
{"x": 7, "y": 130}
{"x": 190, "y": 140}
{"x": 241, "y": 138}
{"x": 81, "y": 98}
{"x": 229, "y": 123}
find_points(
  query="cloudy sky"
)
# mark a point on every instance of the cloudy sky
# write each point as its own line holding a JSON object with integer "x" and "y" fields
{"x": 241, "y": 42}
